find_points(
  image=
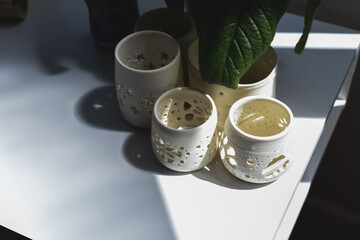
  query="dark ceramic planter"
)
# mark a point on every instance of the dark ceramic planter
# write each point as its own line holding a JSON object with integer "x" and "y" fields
{"x": 116, "y": 22}
{"x": 184, "y": 31}
{"x": 194, "y": 9}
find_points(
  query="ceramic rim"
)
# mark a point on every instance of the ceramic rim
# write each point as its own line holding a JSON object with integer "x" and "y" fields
{"x": 251, "y": 137}
{"x": 259, "y": 83}
{"x": 142, "y": 33}
{"x": 164, "y": 95}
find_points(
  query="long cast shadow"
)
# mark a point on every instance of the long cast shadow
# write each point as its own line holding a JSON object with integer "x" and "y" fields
{"x": 82, "y": 52}
{"x": 138, "y": 151}
{"x": 216, "y": 173}
{"x": 100, "y": 108}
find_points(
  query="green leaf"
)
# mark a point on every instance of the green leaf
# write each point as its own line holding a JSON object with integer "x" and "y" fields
{"x": 310, "y": 11}
{"x": 233, "y": 34}
{"x": 96, "y": 7}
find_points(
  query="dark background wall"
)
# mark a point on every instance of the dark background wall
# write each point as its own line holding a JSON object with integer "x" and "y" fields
{"x": 340, "y": 12}
{"x": 331, "y": 210}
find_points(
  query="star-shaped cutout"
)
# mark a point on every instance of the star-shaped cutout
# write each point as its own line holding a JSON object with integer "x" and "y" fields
{"x": 150, "y": 66}
{"x": 118, "y": 86}
{"x": 164, "y": 55}
{"x": 97, "y": 106}
{"x": 149, "y": 100}
{"x": 135, "y": 109}
{"x": 129, "y": 93}
{"x": 140, "y": 56}
{"x": 121, "y": 101}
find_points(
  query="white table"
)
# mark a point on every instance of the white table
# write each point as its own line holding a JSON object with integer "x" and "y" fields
{"x": 72, "y": 168}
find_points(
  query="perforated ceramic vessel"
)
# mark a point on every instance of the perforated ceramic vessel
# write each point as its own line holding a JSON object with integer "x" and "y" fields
{"x": 183, "y": 131}
{"x": 147, "y": 63}
{"x": 256, "y": 159}
{"x": 260, "y": 80}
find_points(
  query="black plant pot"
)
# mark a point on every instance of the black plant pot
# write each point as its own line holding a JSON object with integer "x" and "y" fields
{"x": 193, "y": 7}
{"x": 116, "y": 22}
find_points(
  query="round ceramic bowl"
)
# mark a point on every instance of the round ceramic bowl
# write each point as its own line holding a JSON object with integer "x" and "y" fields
{"x": 259, "y": 80}
{"x": 255, "y": 144}
{"x": 147, "y": 64}
{"x": 183, "y": 131}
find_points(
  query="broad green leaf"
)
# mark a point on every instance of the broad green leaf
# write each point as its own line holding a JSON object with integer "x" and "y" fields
{"x": 310, "y": 11}
{"x": 233, "y": 34}
{"x": 96, "y": 7}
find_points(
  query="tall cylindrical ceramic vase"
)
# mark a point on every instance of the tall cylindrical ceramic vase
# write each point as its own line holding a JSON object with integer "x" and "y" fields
{"x": 147, "y": 64}
{"x": 260, "y": 80}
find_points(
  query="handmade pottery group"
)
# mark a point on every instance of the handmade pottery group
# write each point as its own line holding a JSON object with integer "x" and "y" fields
{"x": 190, "y": 124}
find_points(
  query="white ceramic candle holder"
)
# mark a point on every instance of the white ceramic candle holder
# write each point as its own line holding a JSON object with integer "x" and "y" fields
{"x": 259, "y": 80}
{"x": 147, "y": 64}
{"x": 255, "y": 144}
{"x": 183, "y": 131}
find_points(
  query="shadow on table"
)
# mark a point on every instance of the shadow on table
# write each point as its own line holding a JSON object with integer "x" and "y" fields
{"x": 82, "y": 52}
{"x": 9, "y": 23}
{"x": 138, "y": 151}
{"x": 99, "y": 108}
{"x": 216, "y": 173}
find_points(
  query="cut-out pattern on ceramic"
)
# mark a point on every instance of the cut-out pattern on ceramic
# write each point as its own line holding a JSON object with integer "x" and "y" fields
{"x": 130, "y": 101}
{"x": 263, "y": 157}
{"x": 148, "y": 60}
{"x": 183, "y": 157}
{"x": 184, "y": 136}
{"x": 252, "y": 165}
{"x": 185, "y": 113}
{"x": 147, "y": 64}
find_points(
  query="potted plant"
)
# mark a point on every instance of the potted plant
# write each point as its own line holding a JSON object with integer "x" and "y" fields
{"x": 175, "y": 22}
{"x": 111, "y": 20}
{"x": 233, "y": 34}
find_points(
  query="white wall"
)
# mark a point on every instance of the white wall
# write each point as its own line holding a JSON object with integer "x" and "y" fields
{"x": 341, "y": 12}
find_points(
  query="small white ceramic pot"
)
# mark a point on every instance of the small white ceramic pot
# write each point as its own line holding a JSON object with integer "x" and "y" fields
{"x": 260, "y": 80}
{"x": 162, "y": 19}
{"x": 255, "y": 144}
{"x": 147, "y": 64}
{"x": 183, "y": 131}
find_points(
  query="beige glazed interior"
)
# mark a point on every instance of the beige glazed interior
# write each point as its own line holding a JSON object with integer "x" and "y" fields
{"x": 262, "y": 118}
{"x": 256, "y": 142}
{"x": 184, "y": 112}
{"x": 148, "y": 51}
